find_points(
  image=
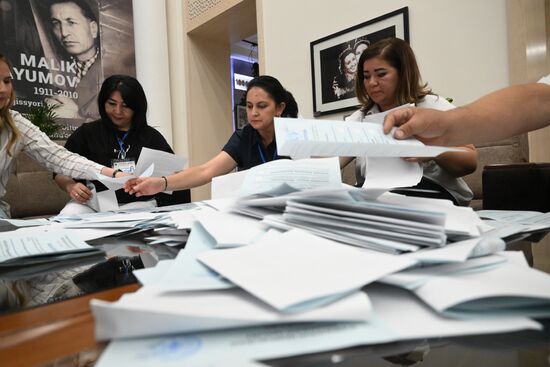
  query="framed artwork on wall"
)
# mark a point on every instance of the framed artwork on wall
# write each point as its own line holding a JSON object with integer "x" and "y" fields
{"x": 334, "y": 59}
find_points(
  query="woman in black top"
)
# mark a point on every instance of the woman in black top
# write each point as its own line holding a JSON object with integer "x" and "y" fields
{"x": 255, "y": 144}
{"x": 115, "y": 141}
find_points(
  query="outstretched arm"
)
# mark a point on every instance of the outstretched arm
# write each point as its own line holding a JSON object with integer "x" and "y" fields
{"x": 189, "y": 178}
{"x": 498, "y": 115}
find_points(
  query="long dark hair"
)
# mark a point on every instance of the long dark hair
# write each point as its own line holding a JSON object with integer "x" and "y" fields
{"x": 398, "y": 54}
{"x": 132, "y": 94}
{"x": 275, "y": 89}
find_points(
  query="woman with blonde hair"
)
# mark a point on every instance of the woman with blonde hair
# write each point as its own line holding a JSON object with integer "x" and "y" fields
{"x": 17, "y": 134}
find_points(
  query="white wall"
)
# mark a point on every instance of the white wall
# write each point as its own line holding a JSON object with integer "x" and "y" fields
{"x": 461, "y": 46}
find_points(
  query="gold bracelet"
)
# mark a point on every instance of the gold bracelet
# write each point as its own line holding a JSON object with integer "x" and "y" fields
{"x": 165, "y": 183}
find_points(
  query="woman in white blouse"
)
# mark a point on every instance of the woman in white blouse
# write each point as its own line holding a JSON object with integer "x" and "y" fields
{"x": 387, "y": 77}
{"x": 18, "y": 134}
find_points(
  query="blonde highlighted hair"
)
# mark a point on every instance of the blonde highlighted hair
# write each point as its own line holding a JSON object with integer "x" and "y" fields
{"x": 6, "y": 120}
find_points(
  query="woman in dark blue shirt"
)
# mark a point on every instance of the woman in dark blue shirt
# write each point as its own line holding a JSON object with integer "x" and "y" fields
{"x": 255, "y": 144}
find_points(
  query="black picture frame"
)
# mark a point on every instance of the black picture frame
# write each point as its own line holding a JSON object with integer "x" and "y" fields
{"x": 333, "y": 90}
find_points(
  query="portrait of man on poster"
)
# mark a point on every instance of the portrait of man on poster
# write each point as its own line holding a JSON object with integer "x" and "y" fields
{"x": 74, "y": 29}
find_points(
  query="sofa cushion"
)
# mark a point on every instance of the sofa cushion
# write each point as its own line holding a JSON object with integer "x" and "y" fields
{"x": 31, "y": 190}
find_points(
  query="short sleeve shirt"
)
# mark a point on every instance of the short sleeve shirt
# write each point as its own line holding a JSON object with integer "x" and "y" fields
{"x": 246, "y": 148}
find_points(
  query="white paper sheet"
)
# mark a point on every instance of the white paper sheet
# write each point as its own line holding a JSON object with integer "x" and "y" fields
{"x": 383, "y": 174}
{"x": 301, "y": 138}
{"x": 167, "y": 313}
{"x": 36, "y": 241}
{"x": 109, "y": 220}
{"x": 103, "y": 201}
{"x": 459, "y": 251}
{"x": 508, "y": 215}
{"x": 184, "y": 219}
{"x": 509, "y": 289}
{"x": 301, "y": 174}
{"x": 228, "y": 186}
{"x": 414, "y": 278}
{"x": 153, "y": 276}
{"x": 460, "y": 221}
{"x": 230, "y": 230}
{"x": 186, "y": 273}
{"x": 297, "y": 270}
{"x": 397, "y": 316}
{"x": 164, "y": 163}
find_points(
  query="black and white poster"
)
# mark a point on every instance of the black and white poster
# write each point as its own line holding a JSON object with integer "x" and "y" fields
{"x": 62, "y": 50}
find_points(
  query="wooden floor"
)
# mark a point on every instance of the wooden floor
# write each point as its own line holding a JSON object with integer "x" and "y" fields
{"x": 48, "y": 333}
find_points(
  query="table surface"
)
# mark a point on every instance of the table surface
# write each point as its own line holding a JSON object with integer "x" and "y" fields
{"x": 59, "y": 327}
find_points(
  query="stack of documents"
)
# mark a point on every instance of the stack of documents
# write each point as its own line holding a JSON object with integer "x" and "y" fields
{"x": 38, "y": 245}
{"x": 346, "y": 216}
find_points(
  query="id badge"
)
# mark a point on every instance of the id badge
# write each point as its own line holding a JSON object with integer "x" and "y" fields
{"x": 125, "y": 165}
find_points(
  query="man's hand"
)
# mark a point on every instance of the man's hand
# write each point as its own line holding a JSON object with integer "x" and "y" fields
{"x": 426, "y": 125}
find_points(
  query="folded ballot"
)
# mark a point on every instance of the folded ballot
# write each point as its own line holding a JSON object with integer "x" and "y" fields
{"x": 296, "y": 270}
{"x": 150, "y": 311}
{"x": 507, "y": 289}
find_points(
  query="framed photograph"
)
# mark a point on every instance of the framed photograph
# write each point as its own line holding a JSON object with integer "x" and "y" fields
{"x": 334, "y": 59}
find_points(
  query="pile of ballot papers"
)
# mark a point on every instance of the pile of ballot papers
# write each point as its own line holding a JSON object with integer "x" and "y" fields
{"x": 285, "y": 260}
{"x": 287, "y": 271}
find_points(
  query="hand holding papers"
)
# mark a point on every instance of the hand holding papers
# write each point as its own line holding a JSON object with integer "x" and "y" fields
{"x": 116, "y": 183}
{"x": 301, "y": 138}
{"x": 151, "y": 163}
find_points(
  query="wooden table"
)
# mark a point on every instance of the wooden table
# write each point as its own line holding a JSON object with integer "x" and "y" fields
{"x": 47, "y": 333}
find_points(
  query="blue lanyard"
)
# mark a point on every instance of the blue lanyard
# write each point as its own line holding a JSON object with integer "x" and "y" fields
{"x": 122, "y": 152}
{"x": 262, "y": 154}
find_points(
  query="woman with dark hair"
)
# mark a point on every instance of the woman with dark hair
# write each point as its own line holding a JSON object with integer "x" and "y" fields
{"x": 18, "y": 134}
{"x": 255, "y": 144}
{"x": 388, "y": 77}
{"x": 344, "y": 83}
{"x": 115, "y": 140}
